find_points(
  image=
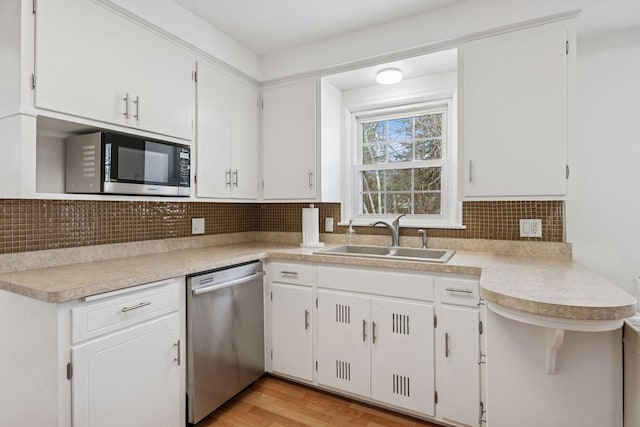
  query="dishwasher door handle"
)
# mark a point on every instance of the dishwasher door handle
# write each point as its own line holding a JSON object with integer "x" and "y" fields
{"x": 200, "y": 291}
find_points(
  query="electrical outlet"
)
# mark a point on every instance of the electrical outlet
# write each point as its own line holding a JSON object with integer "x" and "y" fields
{"x": 530, "y": 228}
{"x": 197, "y": 225}
{"x": 328, "y": 225}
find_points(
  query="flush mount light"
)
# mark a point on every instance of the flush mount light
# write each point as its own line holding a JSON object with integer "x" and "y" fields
{"x": 389, "y": 76}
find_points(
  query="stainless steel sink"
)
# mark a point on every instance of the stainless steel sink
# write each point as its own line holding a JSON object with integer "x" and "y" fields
{"x": 409, "y": 254}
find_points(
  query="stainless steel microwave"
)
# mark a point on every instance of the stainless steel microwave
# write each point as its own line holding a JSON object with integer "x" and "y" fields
{"x": 112, "y": 163}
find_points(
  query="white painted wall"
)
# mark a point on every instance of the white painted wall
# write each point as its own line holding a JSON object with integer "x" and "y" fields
{"x": 603, "y": 223}
{"x": 451, "y": 23}
{"x": 190, "y": 28}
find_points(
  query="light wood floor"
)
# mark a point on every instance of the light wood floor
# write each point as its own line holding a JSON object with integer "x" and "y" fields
{"x": 275, "y": 402}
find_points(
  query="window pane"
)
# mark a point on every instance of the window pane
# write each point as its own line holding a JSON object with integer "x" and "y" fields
{"x": 373, "y": 181}
{"x": 398, "y": 180}
{"x": 428, "y": 179}
{"x": 398, "y": 203}
{"x": 427, "y": 203}
{"x": 400, "y": 152}
{"x": 374, "y": 132}
{"x": 372, "y": 203}
{"x": 429, "y": 126}
{"x": 401, "y": 129}
{"x": 373, "y": 154}
{"x": 429, "y": 149}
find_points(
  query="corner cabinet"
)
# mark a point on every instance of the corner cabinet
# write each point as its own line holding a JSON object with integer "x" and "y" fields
{"x": 227, "y": 135}
{"x": 515, "y": 113}
{"x": 290, "y": 135}
{"x": 93, "y": 63}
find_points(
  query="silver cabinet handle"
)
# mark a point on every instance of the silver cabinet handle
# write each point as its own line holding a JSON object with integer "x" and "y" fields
{"x": 310, "y": 179}
{"x": 373, "y": 331}
{"x": 364, "y": 330}
{"x": 235, "y": 181}
{"x": 446, "y": 344}
{"x": 137, "y": 102}
{"x": 460, "y": 291}
{"x": 306, "y": 320}
{"x": 470, "y": 171}
{"x": 126, "y": 105}
{"x": 227, "y": 177}
{"x": 289, "y": 273}
{"x": 178, "y": 358}
{"x": 135, "y": 307}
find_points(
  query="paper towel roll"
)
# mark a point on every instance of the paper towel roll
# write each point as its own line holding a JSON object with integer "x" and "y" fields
{"x": 310, "y": 228}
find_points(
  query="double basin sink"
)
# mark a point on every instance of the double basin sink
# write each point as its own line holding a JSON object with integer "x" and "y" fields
{"x": 397, "y": 253}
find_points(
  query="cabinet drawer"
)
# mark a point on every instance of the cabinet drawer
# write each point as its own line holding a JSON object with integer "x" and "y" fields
{"x": 458, "y": 291}
{"x": 116, "y": 312}
{"x": 375, "y": 281}
{"x": 297, "y": 274}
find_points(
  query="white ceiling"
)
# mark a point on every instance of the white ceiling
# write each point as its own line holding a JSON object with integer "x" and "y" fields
{"x": 267, "y": 26}
{"x": 418, "y": 66}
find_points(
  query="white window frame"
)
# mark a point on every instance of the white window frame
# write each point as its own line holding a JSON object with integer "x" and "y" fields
{"x": 451, "y": 212}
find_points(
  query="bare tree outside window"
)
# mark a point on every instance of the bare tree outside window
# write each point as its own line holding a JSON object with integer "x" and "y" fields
{"x": 401, "y": 169}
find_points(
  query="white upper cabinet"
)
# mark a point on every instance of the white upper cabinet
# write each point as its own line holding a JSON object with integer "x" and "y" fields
{"x": 227, "y": 135}
{"x": 514, "y": 113}
{"x": 95, "y": 64}
{"x": 289, "y": 141}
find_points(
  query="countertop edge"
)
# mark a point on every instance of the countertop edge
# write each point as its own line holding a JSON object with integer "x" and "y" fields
{"x": 216, "y": 258}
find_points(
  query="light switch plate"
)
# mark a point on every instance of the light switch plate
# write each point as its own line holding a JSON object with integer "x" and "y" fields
{"x": 197, "y": 225}
{"x": 328, "y": 225}
{"x": 530, "y": 228}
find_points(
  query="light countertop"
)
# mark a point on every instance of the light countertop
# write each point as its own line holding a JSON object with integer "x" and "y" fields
{"x": 558, "y": 288}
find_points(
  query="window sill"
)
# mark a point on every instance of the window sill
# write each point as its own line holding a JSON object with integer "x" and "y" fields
{"x": 406, "y": 223}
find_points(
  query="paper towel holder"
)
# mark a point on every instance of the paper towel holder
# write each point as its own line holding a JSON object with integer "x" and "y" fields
{"x": 310, "y": 230}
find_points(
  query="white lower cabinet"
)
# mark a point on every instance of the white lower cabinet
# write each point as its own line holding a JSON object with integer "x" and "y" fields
{"x": 402, "y": 369}
{"x": 458, "y": 356}
{"x": 113, "y": 359}
{"x": 291, "y": 333}
{"x": 344, "y": 347}
{"x": 377, "y": 347}
{"x": 130, "y": 377}
{"x": 459, "y": 364}
{"x": 402, "y": 339}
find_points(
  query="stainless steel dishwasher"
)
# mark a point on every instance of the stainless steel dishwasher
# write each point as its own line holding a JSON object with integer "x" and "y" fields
{"x": 225, "y": 335}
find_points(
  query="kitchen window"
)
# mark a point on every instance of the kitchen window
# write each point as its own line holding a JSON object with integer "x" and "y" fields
{"x": 403, "y": 161}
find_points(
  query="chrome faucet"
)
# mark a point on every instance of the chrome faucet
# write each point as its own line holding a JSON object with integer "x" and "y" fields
{"x": 423, "y": 234}
{"x": 394, "y": 229}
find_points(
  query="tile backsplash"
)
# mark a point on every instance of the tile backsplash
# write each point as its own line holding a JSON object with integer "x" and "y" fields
{"x": 30, "y": 225}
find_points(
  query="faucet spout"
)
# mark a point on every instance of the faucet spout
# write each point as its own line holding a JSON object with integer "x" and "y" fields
{"x": 394, "y": 229}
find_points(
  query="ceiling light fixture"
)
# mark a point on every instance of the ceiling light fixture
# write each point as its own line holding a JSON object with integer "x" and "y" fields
{"x": 389, "y": 76}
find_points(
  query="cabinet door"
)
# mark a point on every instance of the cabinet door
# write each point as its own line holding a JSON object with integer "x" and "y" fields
{"x": 88, "y": 59}
{"x": 160, "y": 75}
{"x": 289, "y": 141}
{"x": 213, "y": 143}
{"x": 77, "y": 65}
{"x": 343, "y": 342}
{"x": 402, "y": 356}
{"x": 291, "y": 333}
{"x": 459, "y": 341}
{"x": 129, "y": 378}
{"x": 244, "y": 140}
{"x": 514, "y": 114}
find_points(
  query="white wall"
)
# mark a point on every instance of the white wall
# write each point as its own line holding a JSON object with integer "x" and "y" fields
{"x": 190, "y": 28}
{"x": 603, "y": 223}
{"x": 451, "y": 23}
